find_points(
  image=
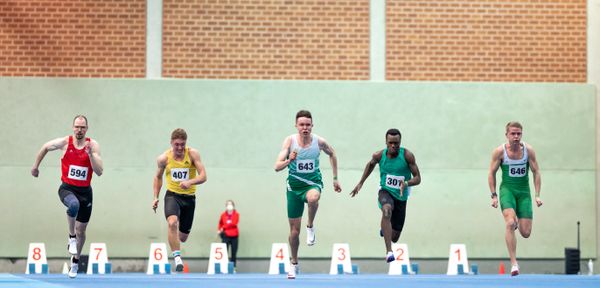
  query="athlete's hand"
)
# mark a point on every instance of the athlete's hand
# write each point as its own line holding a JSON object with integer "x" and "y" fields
{"x": 355, "y": 190}
{"x": 35, "y": 172}
{"x": 495, "y": 202}
{"x": 403, "y": 186}
{"x": 538, "y": 201}
{"x": 293, "y": 155}
{"x": 336, "y": 186}
{"x": 87, "y": 148}
{"x": 155, "y": 205}
{"x": 184, "y": 185}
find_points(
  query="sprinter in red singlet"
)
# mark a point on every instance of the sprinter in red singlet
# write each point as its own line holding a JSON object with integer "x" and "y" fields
{"x": 81, "y": 158}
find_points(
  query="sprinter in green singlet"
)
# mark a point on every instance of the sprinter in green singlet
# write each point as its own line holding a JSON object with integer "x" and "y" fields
{"x": 398, "y": 172}
{"x": 515, "y": 158}
{"x": 300, "y": 154}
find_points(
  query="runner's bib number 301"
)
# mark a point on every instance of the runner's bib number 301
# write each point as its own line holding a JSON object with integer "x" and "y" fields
{"x": 517, "y": 170}
{"x": 393, "y": 181}
{"x": 180, "y": 174}
{"x": 305, "y": 166}
{"x": 77, "y": 172}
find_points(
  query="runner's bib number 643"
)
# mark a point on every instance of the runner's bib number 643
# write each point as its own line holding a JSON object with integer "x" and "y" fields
{"x": 305, "y": 166}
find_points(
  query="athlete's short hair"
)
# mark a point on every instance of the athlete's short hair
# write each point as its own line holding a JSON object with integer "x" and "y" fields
{"x": 303, "y": 113}
{"x": 393, "y": 132}
{"x": 514, "y": 124}
{"x": 179, "y": 133}
{"x": 82, "y": 117}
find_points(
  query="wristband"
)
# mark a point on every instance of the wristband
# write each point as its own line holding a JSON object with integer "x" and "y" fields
{"x": 334, "y": 177}
{"x": 494, "y": 194}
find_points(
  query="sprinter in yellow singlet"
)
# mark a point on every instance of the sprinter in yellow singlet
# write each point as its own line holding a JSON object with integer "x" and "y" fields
{"x": 183, "y": 170}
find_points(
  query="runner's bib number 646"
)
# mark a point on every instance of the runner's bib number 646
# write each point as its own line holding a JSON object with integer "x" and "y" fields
{"x": 517, "y": 170}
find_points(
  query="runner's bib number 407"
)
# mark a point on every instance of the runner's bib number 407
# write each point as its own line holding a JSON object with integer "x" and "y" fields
{"x": 180, "y": 174}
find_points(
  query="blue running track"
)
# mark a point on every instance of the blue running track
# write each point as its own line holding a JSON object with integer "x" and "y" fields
{"x": 132, "y": 280}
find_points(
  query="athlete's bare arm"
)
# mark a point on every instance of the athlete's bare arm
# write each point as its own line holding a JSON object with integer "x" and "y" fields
{"x": 327, "y": 149}
{"x": 161, "y": 162}
{"x": 201, "y": 175}
{"x": 285, "y": 156}
{"x": 368, "y": 169}
{"x": 494, "y": 165}
{"x": 537, "y": 177}
{"x": 55, "y": 144}
{"x": 93, "y": 150}
{"x": 414, "y": 170}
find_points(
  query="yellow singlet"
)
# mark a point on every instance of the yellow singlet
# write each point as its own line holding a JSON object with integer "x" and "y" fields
{"x": 177, "y": 171}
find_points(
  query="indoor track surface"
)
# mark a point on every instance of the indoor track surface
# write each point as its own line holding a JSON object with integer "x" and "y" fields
{"x": 131, "y": 280}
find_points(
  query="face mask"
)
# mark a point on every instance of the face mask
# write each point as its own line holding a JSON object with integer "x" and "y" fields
{"x": 229, "y": 207}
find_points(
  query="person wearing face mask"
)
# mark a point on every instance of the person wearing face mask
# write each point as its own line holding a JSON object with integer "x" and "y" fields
{"x": 228, "y": 229}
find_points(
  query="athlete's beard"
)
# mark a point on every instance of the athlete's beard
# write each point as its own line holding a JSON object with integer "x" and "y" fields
{"x": 79, "y": 136}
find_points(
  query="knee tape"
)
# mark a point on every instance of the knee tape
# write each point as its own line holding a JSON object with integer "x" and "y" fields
{"x": 72, "y": 205}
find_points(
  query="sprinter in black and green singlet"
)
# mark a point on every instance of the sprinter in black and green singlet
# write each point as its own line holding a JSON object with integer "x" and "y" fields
{"x": 515, "y": 158}
{"x": 398, "y": 172}
{"x": 300, "y": 154}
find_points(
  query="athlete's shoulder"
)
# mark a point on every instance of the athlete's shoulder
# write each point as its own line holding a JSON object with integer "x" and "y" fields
{"x": 193, "y": 152}
{"x": 289, "y": 138}
{"x": 163, "y": 157}
{"x": 320, "y": 139}
{"x": 528, "y": 146}
{"x": 499, "y": 149}
{"x": 408, "y": 153}
{"x": 93, "y": 142}
{"x": 530, "y": 150}
{"x": 377, "y": 155}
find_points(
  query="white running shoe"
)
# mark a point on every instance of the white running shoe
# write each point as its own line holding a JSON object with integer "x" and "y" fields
{"x": 294, "y": 269}
{"x": 74, "y": 268}
{"x": 178, "y": 264}
{"x": 311, "y": 238}
{"x": 390, "y": 257}
{"x": 514, "y": 271}
{"x": 72, "y": 246}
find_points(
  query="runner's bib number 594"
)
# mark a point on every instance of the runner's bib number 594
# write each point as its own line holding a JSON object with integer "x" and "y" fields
{"x": 77, "y": 172}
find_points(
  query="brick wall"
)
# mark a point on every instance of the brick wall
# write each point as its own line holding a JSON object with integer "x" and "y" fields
{"x": 73, "y": 38}
{"x": 515, "y": 40}
{"x": 266, "y": 39}
{"x": 441, "y": 40}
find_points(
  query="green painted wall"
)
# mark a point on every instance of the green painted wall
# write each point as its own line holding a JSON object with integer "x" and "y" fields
{"x": 239, "y": 126}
